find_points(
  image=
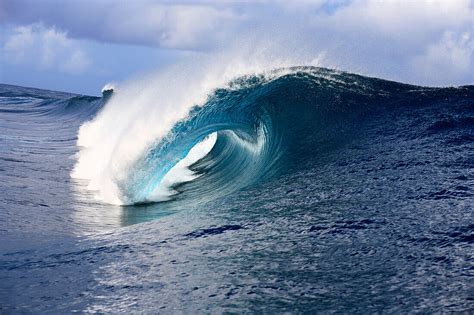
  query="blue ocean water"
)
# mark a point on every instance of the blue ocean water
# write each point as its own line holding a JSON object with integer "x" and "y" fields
{"x": 324, "y": 191}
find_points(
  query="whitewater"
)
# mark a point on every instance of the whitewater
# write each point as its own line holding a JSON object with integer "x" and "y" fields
{"x": 220, "y": 186}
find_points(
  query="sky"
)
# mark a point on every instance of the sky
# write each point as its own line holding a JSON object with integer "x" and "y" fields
{"x": 81, "y": 45}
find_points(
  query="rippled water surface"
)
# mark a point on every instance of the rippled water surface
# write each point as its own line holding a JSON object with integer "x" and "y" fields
{"x": 371, "y": 212}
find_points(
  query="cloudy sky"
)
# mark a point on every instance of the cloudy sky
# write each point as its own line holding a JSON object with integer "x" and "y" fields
{"x": 80, "y": 45}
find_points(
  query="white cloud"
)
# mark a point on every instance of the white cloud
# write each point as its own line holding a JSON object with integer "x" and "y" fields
{"x": 452, "y": 57}
{"x": 45, "y": 49}
{"x": 180, "y": 25}
{"x": 403, "y": 40}
{"x": 423, "y": 42}
{"x": 167, "y": 26}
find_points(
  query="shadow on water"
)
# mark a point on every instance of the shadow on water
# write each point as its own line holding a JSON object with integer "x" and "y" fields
{"x": 95, "y": 216}
{"x": 146, "y": 212}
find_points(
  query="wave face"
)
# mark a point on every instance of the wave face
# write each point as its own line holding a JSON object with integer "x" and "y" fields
{"x": 253, "y": 128}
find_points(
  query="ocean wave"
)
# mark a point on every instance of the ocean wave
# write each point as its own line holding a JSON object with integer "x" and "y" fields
{"x": 148, "y": 147}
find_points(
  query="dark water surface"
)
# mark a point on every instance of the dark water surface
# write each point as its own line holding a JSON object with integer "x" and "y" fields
{"x": 371, "y": 210}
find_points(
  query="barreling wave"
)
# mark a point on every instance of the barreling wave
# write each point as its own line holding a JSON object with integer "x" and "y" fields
{"x": 145, "y": 147}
